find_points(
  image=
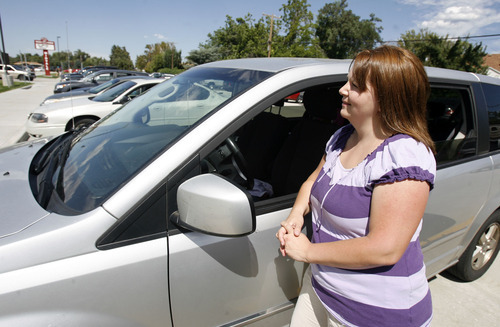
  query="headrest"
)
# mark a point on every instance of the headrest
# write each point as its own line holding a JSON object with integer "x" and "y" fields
{"x": 322, "y": 102}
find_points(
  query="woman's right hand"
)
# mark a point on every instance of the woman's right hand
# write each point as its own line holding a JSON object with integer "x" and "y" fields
{"x": 295, "y": 222}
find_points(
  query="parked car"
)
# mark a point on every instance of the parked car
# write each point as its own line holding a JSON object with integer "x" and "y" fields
{"x": 161, "y": 75}
{"x": 91, "y": 69}
{"x": 57, "y": 117}
{"x": 164, "y": 212}
{"x": 94, "y": 79}
{"x": 17, "y": 72}
{"x": 71, "y": 77}
{"x": 87, "y": 92}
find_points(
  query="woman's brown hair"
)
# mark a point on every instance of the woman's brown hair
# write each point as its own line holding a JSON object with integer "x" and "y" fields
{"x": 401, "y": 87}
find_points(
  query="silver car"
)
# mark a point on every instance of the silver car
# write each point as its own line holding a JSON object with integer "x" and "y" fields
{"x": 164, "y": 212}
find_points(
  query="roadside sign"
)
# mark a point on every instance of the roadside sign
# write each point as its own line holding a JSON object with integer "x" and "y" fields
{"x": 45, "y": 45}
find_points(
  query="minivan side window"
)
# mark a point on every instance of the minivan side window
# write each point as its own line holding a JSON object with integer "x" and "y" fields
{"x": 451, "y": 125}
{"x": 492, "y": 95}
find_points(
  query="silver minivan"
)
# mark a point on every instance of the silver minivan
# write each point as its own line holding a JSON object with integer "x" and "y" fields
{"x": 164, "y": 212}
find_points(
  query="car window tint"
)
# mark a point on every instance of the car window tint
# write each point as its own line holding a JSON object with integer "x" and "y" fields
{"x": 449, "y": 117}
{"x": 492, "y": 95}
{"x": 282, "y": 145}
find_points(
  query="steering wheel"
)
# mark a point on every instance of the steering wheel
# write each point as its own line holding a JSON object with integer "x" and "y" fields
{"x": 240, "y": 163}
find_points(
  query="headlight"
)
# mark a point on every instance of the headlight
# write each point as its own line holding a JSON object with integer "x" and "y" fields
{"x": 39, "y": 118}
{"x": 60, "y": 86}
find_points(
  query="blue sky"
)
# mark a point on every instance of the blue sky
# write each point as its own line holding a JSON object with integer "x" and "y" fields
{"x": 95, "y": 26}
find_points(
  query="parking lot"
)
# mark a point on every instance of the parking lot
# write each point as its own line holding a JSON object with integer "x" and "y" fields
{"x": 455, "y": 303}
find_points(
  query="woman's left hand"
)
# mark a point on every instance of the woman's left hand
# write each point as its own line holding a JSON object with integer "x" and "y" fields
{"x": 296, "y": 247}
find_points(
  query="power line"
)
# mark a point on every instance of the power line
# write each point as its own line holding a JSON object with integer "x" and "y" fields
{"x": 447, "y": 38}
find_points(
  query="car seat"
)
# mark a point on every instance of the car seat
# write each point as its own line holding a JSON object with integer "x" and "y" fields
{"x": 305, "y": 145}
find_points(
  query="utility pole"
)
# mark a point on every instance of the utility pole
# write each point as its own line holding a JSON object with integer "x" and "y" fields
{"x": 6, "y": 79}
{"x": 270, "y": 33}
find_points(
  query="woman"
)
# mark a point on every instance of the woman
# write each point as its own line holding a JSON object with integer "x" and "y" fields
{"x": 367, "y": 198}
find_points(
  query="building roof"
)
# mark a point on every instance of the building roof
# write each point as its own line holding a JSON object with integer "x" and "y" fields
{"x": 493, "y": 61}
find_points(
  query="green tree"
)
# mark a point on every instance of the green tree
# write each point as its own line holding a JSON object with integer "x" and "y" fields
{"x": 120, "y": 58}
{"x": 342, "y": 34}
{"x": 95, "y": 61}
{"x": 240, "y": 38}
{"x": 298, "y": 26}
{"x": 205, "y": 53}
{"x": 159, "y": 55}
{"x": 436, "y": 51}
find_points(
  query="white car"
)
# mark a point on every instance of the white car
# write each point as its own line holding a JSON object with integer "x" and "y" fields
{"x": 18, "y": 72}
{"x": 57, "y": 117}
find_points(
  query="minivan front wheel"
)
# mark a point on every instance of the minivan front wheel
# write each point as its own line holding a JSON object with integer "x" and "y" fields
{"x": 481, "y": 252}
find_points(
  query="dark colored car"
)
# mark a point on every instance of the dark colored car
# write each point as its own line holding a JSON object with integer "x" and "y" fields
{"x": 71, "y": 77}
{"x": 92, "y": 69}
{"x": 94, "y": 79}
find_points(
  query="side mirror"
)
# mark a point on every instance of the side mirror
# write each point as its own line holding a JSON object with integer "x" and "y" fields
{"x": 213, "y": 205}
{"x": 123, "y": 100}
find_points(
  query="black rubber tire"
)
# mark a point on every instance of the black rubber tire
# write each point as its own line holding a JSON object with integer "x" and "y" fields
{"x": 83, "y": 123}
{"x": 481, "y": 252}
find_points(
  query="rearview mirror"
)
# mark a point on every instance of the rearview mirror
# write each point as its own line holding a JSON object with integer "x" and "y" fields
{"x": 212, "y": 204}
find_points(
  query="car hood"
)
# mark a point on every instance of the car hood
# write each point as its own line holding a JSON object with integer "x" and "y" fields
{"x": 77, "y": 83}
{"x": 76, "y": 102}
{"x": 19, "y": 209}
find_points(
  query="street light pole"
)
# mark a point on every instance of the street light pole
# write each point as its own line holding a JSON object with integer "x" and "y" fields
{"x": 59, "y": 50}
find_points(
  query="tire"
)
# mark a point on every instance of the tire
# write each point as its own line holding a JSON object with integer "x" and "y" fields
{"x": 83, "y": 123}
{"x": 23, "y": 78}
{"x": 481, "y": 252}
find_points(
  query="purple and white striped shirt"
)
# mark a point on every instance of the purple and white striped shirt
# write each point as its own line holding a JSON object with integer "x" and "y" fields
{"x": 396, "y": 295}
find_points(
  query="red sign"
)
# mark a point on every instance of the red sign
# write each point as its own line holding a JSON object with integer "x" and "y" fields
{"x": 45, "y": 45}
{"x": 46, "y": 64}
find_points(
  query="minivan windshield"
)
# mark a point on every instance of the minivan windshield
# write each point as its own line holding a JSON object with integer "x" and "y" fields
{"x": 88, "y": 167}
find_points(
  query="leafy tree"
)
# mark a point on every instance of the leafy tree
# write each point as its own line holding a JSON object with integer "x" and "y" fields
{"x": 159, "y": 55}
{"x": 120, "y": 58}
{"x": 247, "y": 37}
{"x": 240, "y": 38}
{"x": 298, "y": 29}
{"x": 95, "y": 61}
{"x": 205, "y": 53}
{"x": 437, "y": 51}
{"x": 342, "y": 34}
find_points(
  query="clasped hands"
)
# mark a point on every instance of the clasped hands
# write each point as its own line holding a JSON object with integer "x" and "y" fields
{"x": 293, "y": 243}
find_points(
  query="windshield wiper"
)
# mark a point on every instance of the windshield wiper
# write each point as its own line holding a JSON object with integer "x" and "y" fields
{"x": 54, "y": 156}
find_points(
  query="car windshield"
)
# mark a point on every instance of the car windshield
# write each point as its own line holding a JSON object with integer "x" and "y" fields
{"x": 114, "y": 92}
{"x": 89, "y": 77}
{"x": 103, "y": 86}
{"x": 92, "y": 165}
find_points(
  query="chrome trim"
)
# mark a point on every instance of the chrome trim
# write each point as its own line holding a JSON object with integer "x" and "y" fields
{"x": 261, "y": 315}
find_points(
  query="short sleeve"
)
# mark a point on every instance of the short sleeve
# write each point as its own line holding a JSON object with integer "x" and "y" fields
{"x": 399, "y": 158}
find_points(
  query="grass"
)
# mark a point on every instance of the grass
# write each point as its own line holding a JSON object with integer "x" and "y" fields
{"x": 15, "y": 86}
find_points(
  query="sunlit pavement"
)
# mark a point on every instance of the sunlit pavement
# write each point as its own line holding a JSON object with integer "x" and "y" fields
{"x": 15, "y": 105}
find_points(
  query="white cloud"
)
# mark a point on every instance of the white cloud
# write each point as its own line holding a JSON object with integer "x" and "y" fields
{"x": 456, "y": 17}
{"x": 159, "y": 36}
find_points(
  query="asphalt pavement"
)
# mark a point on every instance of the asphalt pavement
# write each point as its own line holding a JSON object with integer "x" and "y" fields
{"x": 456, "y": 304}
